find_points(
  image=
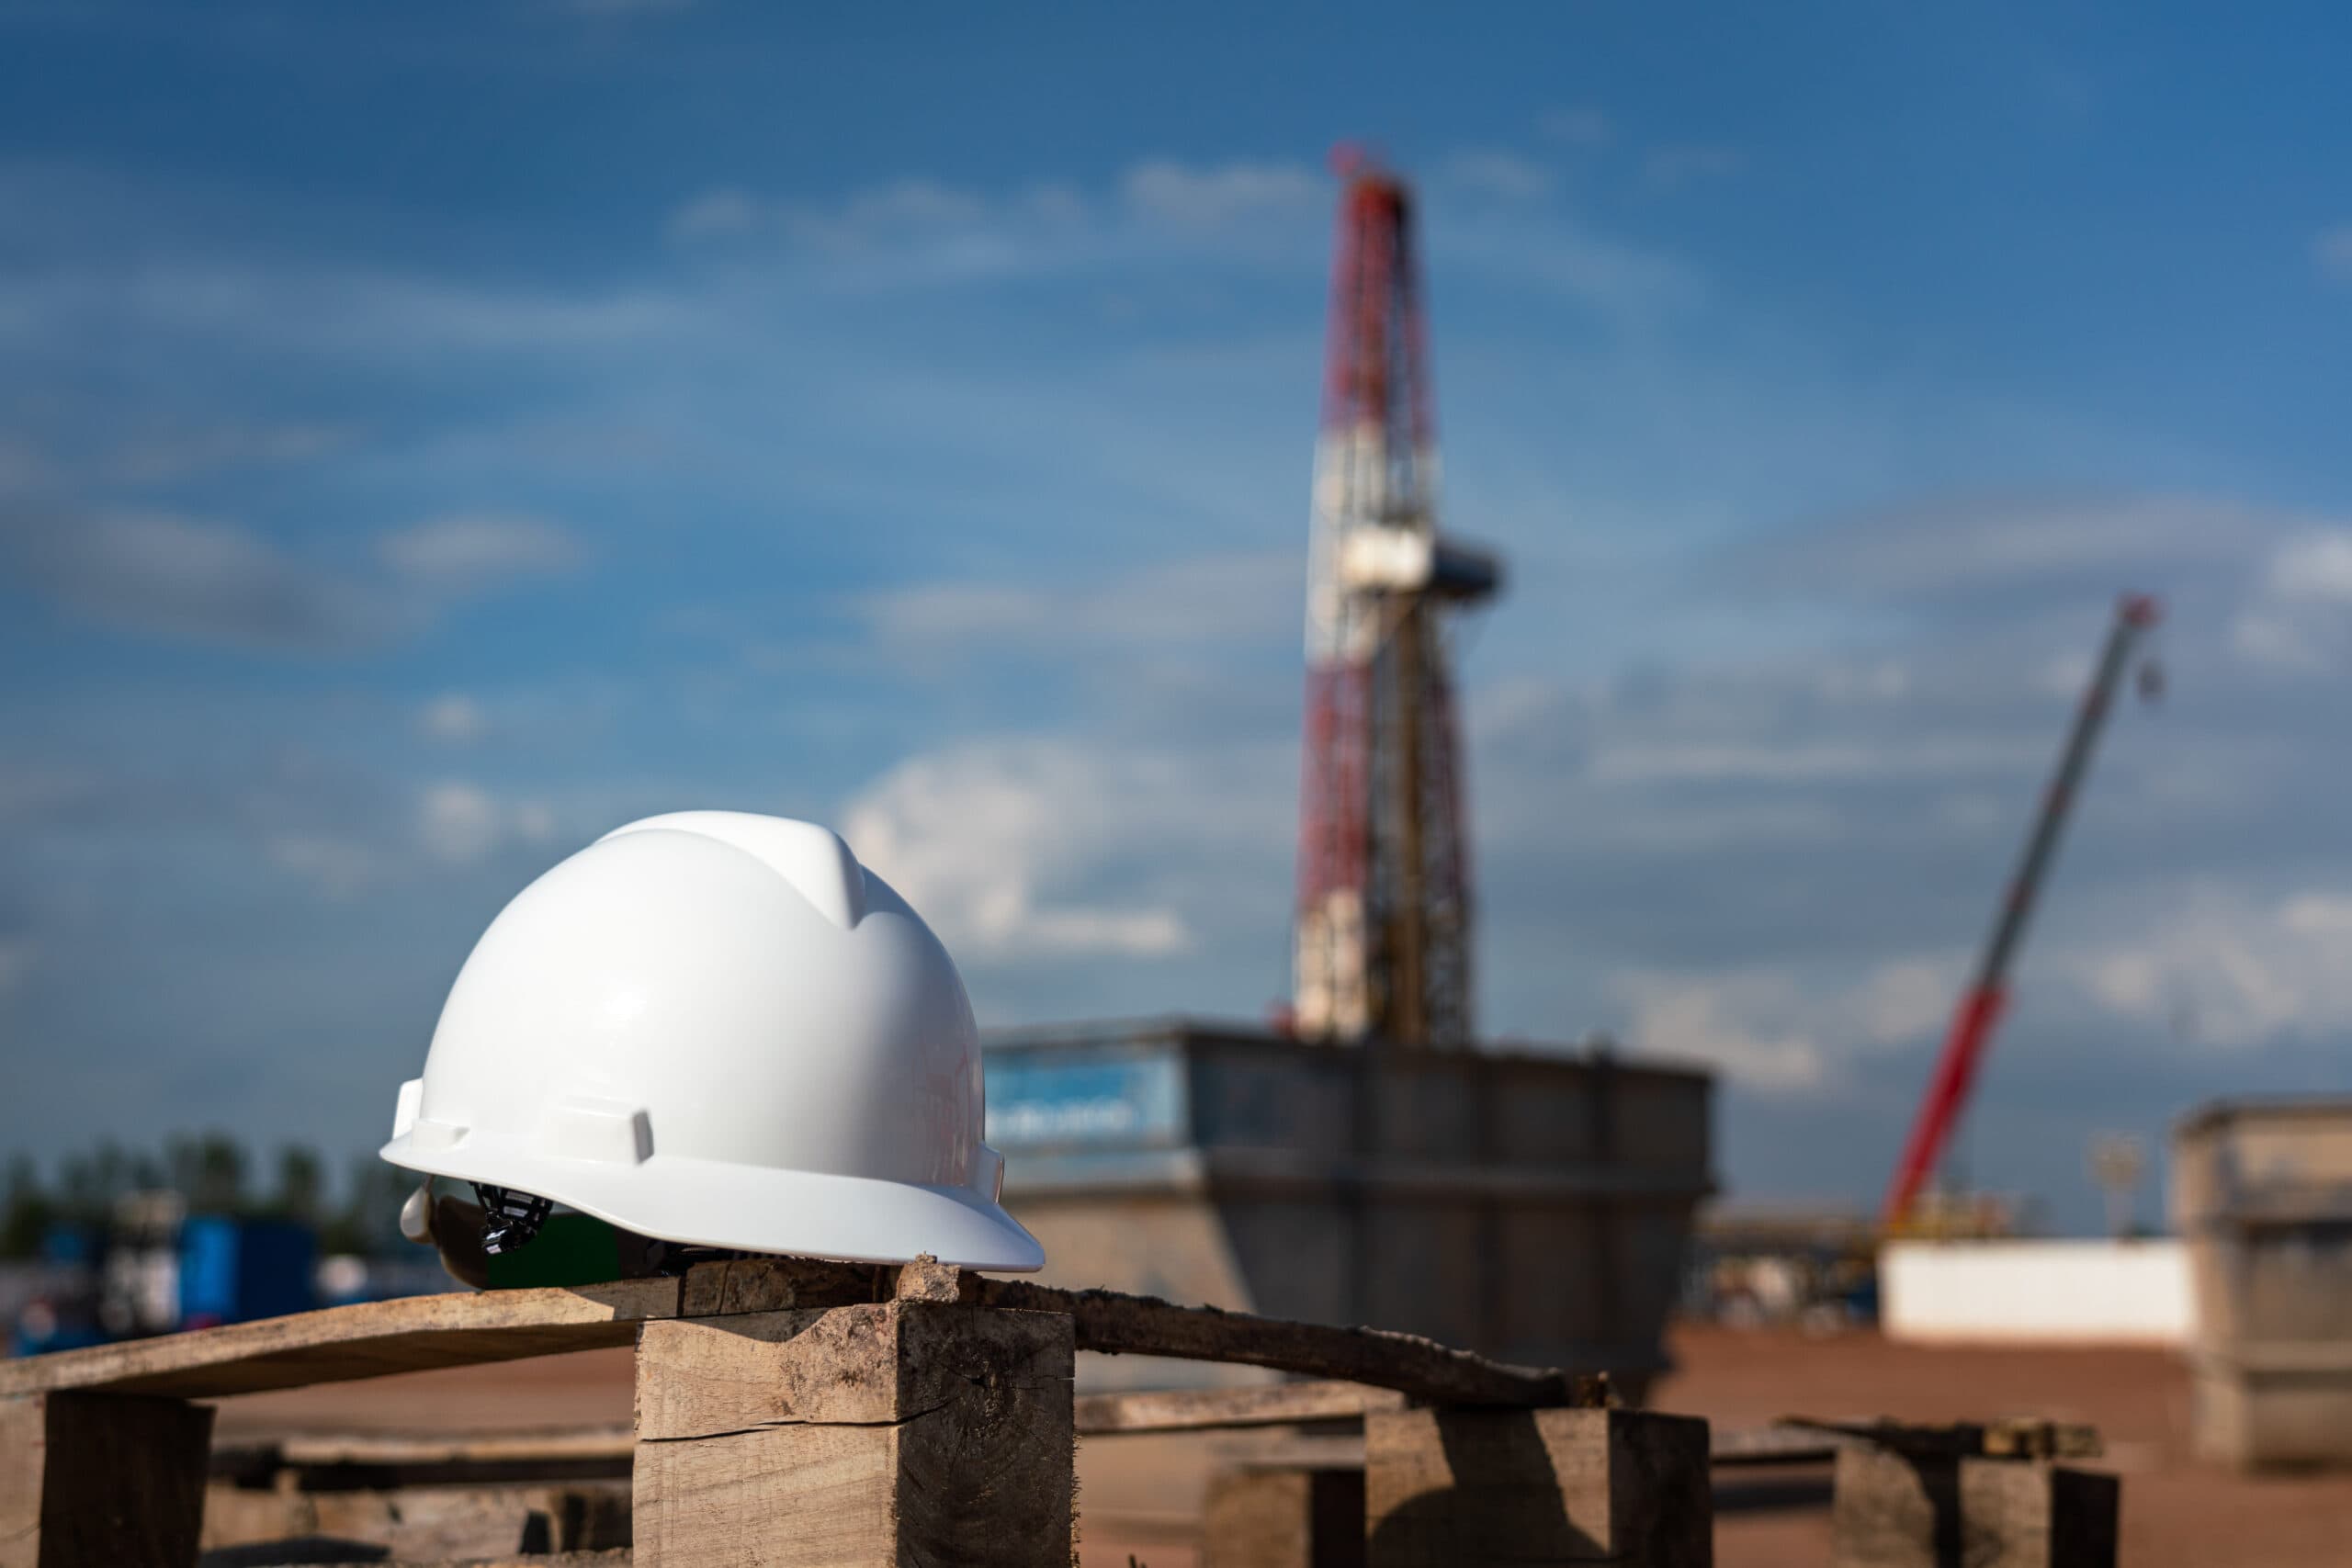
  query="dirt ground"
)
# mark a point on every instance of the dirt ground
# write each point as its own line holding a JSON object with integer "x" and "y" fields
{"x": 1139, "y": 1494}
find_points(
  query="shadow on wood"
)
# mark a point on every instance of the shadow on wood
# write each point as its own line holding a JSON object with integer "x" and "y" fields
{"x": 1454, "y": 1488}
{"x": 1284, "y": 1516}
{"x": 101, "y": 1478}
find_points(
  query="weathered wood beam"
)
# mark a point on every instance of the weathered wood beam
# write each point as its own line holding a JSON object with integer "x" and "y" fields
{"x": 1420, "y": 1368}
{"x": 1212, "y": 1409}
{"x": 1283, "y": 1517}
{"x": 857, "y": 1436}
{"x": 1895, "y": 1509}
{"x": 101, "y": 1478}
{"x": 2019, "y": 1437}
{"x": 363, "y": 1341}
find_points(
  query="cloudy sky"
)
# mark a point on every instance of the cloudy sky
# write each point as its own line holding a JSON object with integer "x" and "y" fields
{"x": 433, "y": 434}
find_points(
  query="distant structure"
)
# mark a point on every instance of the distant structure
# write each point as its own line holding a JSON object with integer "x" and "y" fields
{"x": 1382, "y": 933}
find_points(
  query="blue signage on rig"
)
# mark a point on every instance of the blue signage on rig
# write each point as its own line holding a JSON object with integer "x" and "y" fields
{"x": 1061, "y": 1100}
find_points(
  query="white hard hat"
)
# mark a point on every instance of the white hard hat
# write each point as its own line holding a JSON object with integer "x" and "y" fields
{"x": 718, "y": 1029}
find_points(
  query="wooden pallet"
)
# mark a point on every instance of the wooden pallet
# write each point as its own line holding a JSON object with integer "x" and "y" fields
{"x": 799, "y": 1413}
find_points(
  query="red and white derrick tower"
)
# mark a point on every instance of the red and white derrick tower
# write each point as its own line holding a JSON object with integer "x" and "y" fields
{"x": 1383, "y": 939}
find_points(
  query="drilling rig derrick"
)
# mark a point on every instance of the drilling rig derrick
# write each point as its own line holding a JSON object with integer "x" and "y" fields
{"x": 1383, "y": 930}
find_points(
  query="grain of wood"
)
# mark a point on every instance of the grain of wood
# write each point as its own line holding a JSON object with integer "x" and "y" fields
{"x": 100, "y": 1478}
{"x": 1456, "y": 1487}
{"x": 774, "y": 1284}
{"x": 1210, "y": 1409}
{"x": 367, "y": 1340}
{"x": 898, "y": 1432}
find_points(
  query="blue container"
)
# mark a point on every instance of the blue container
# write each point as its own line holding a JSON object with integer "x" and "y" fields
{"x": 232, "y": 1270}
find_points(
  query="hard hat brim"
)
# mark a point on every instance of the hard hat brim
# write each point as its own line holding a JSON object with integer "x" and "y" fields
{"x": 749, "y": 1208}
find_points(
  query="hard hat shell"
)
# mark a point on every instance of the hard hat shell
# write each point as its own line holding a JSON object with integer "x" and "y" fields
{"x": 716, "y": 1028}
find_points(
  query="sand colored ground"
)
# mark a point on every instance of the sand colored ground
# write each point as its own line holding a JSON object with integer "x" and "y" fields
{"x": 1139, "y": 1494}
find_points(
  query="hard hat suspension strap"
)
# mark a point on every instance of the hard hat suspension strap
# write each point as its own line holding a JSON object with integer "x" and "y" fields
{"x": 510, "y": 1218}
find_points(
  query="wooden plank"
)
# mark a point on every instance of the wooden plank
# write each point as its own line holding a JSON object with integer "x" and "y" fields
{"x": 2030, "y": 1514}
{"x": 1738, "y": 1447}
{"x": 1212, "y": 1409}
{"x": 379, "y": 1337}
{"x": 2019, "y": 1437}
{"x": 99, "y": 1478}
{"x": 1923, "y": 1510}
{"x": 1421, "y": 1369}
{"x": 370, "y": 1339}
{"x": 425, "y": 1523}
{"x": 1284, "y": 1516}
{"x": 1458, "y": 1487}
{"x": 1895, "y": 1510}
{"x": 904, "y": 1431}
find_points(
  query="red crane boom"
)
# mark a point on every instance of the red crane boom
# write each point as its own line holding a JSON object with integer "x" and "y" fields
{"x": 1980, "y": 1007}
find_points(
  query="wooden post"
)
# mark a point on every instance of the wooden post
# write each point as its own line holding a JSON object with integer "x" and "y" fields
{"x": 1284, "y": 1516}
{"x": 1897, "y": 1510}
{"x": 111, "y": 1477}
{"x": 876, "y": 1436}
{"x": 1456, "y": 1488}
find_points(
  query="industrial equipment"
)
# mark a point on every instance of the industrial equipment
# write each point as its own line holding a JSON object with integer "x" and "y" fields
{"x": 1383, "y": 938}
{"x": 1980, "y": 1007}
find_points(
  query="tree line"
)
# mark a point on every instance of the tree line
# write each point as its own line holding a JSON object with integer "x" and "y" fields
{"x": 214, "y": 1173}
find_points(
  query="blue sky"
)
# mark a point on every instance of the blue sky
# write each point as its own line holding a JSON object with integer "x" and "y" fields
{"x": 431, "y": 435}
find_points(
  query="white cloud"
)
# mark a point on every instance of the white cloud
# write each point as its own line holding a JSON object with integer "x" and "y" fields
{"x": 1167, "y": 213}
{"x": 176, "y": 451}
{"x": 2331, "y": 253}
{"x": 1671, "y": 166}
{"x": 1953, "y": 545}
{"x": 323, "y": 313}
{"x": 192, "y": 578}
{"x": 1508, "y": 176}
{"x": 1200, "y": 602}
{"x": 464, "y": 551}
{"x": 28, "y": 790}
{"x": 16, "y": 959}
{"x": 459, "y": 822}
{"x": 1714, "y": 1022}
{"x": 1579, "y": 126}
{"x": 921, "y": 231}
{"x": 200, "y": 579}
{"x": 2234, "y": 971}
{"x": 2296, "y": 618}
{"x": 1199, "y": 197}
{"x": 2317, "y": 565}
{"x": 338, "y": 867}
{"x": 1763, "y": 1027}
{"x": 1638, "y": 761}
{"x": 454, "y": 717}
{"x": 996, "y": 842}
{"x": 715, "y": 214}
